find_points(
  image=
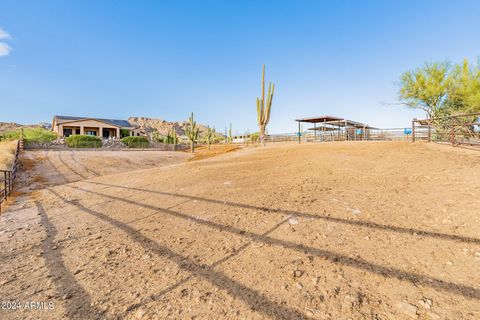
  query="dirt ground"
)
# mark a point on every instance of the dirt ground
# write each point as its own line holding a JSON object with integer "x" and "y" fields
{"x": 55, "y": 167}
{"x": 361, "y": 230}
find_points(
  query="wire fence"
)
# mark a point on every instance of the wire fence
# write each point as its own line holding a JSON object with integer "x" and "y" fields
{"x": 7, "y": 178}
{"x": 456, "y": 130}
{"x": 349, "y": 134}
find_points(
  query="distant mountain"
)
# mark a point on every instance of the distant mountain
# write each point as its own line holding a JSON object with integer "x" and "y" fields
{"x": 151, "y": 125}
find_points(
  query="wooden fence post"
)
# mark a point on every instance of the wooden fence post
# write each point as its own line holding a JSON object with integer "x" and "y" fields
{"x": 429, "y": 131}
{"x": 5, "y": 190}
{"x": 452, "y": 136}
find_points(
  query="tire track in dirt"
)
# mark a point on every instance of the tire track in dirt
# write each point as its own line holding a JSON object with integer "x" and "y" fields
{"x": 50, "y": 162}
{"x": 69, "y": 167}
{"x": 72, "y": 155}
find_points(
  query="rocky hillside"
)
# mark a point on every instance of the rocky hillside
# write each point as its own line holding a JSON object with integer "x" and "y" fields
{"x": 150, "y": 125}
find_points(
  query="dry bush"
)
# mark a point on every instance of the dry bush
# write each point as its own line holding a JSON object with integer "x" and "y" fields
{"x": 7, "y": 154}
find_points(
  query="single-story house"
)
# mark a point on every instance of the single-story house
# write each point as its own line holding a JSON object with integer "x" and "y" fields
{"x": 65, "y": 126}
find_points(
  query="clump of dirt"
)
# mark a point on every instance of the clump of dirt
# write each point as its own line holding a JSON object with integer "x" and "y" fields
{"x": 203, "y": 152}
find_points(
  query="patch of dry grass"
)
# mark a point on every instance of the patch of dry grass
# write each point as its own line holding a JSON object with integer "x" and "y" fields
{"x": 215, "y": 150}
{"x": 7, "y": 154}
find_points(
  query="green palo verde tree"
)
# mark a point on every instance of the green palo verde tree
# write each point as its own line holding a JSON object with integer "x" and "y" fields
{"x": 210, "y": 136}
{"x": 464, "y": 93}
{"x": 426, "y": 88}
{"x": 264, "y": 107}
{"x": 192, "y": 131}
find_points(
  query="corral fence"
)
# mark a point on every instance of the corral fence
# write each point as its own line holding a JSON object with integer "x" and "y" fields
{"x": 457, "y": 130}
{"x": 350, "y": 134}
{"x": 7, "y": 178}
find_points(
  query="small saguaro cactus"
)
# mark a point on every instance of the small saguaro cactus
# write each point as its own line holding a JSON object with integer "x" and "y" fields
{"x": 192, "y": 131}
{"x": 264, "y": 107}
{"x": 210, "y": 136}
{"x": 230, "y": 137}
{"x": 173, "y": 136}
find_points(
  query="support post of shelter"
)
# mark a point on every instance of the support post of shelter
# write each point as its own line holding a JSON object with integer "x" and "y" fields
{"x": 314, "y": 131}
{"x": 323, "y": 130}
{"x": 413, "y": 129}
{"x": 299, "y": 133}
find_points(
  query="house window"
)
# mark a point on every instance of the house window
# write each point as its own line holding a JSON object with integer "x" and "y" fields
{"x": 91, "y": 133}
{"x": 77, "y": 131}
{"x": 67, "y": 132}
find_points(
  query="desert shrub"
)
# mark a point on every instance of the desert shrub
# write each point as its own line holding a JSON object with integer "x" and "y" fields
{"x": 38, "y": 135}
{"x": 31, "y": 135}
{"x": 11, "y": 135}
{"x": 7, "y": 154}
{"x": 136, "y": 142}
{"x": 83, "y": 141}
{"x": 254, "y": 137}
{"x": 157, "y": 137}
{"x": 124, "y": 133}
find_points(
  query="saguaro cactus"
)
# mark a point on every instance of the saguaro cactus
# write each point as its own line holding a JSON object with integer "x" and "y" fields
{"x": 209, "y": 136}
{"x": 173, "y": 136}
{"x": 192, "y": 131}
{"x": 230, "y": 136}
{"x": 264, "y": 107}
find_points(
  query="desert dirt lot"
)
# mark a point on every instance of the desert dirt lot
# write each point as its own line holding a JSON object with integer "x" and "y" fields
{"x": 323, "y": 231}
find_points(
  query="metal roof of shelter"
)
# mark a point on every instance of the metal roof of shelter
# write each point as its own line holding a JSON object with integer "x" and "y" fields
{"x": 335, "y": 121}
{"x": 319, "y": 119}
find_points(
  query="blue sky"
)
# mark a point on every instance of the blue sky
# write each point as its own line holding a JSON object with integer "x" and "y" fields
{"x": 165, "y": 59}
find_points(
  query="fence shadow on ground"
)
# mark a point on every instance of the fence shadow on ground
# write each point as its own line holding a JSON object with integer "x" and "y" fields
{"x": 254, "y": 299}
{"x": 78, "y": 304}
{"x": 357, "y": 263}
{"x": 367, "y": 224}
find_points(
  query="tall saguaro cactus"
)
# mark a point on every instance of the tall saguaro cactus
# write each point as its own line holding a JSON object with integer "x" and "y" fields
{"x": 264, "y": 107}
{"x": 192, "y": 131}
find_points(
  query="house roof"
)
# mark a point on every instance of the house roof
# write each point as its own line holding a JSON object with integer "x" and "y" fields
{"x": 113, "y": 122}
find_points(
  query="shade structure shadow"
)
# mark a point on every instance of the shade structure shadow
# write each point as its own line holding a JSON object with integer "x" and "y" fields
{"x": 255, "y": 300}
{"x": 357, "y": 263}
